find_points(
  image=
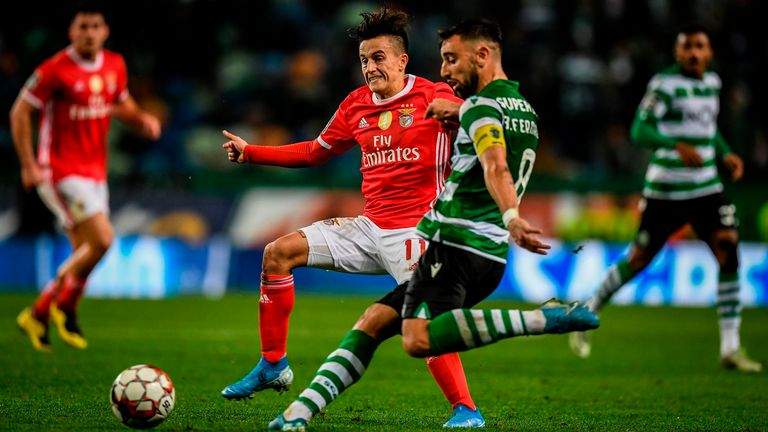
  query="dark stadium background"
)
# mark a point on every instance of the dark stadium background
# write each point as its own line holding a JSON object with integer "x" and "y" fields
{"x": 274, "y": 73}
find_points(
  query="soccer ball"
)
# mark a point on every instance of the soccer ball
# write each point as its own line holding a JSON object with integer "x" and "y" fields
{"x": 142, "y": 396}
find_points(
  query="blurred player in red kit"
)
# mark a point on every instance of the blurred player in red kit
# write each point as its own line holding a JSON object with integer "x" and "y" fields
{"x": 405, "y": 155}
{"x": 76, "y": 92}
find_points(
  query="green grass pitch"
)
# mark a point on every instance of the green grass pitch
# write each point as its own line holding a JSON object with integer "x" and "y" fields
{"x": 651, "y": 369}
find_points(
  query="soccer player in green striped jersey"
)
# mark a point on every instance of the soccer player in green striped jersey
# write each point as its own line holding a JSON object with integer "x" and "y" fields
{"x": 677, "y": 120}
{"x": 473, "y": 219}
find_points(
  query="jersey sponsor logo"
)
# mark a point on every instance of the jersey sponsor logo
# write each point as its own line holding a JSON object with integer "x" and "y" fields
{"x": 96, "y": 84}
{"x": 80, "y": 112}
{"x": 705, "y": 116}
{"x": 382, "y": 141}
{"x": 363, "y": 123}
{"x": 32, "y": 81}
{"x": 389, "y": 155}
{"x": 385, "y": 120}
{"x": 406, "y": 116}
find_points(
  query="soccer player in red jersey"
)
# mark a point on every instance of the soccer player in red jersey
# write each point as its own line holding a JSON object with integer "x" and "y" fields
{"x": 404, "y": 165}
{"x": 76, "y": 91}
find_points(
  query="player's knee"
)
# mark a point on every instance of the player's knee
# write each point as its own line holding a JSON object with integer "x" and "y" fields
{"x": 101, "y": 244}
{"x": 639, "y": 260}
{"x": 728, "y": 255}
{"x": 416, "y": 345}
{"x": 279, "y": 258}
{"x": 379, "y": 322}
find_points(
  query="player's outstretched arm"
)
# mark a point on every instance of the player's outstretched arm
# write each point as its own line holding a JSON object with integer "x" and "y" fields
{"x": 21, "y": 131}
{"x": 296, "y": 155}
{"x": 128, "y": 111}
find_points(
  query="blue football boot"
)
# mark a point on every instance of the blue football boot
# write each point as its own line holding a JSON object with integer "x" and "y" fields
{"x": 463, "y": 417}
{"x": 265, "y": 375}
{"x": 281, "y": 424}
{"x": 564, "y": 318}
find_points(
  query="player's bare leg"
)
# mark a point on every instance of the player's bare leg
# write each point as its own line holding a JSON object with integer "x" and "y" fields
{"x": 90, "y": 241}
{"x": 276, "y": 302}
{"x": 724, "y": 245}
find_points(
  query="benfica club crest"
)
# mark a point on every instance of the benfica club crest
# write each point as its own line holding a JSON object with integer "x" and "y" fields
{"x": 406, "y": 116}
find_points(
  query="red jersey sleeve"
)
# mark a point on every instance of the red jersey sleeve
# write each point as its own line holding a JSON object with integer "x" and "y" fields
{"x": 40, "y": 86}
{"x": 337, "y": 136}
{"x": 296, "y": 155}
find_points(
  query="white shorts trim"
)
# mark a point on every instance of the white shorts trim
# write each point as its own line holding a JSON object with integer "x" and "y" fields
{"x": 357, "y": 245}
{"x": 74, "y": 199}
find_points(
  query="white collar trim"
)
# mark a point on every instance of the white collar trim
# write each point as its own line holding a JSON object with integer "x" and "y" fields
{"x": 405, "y": 90}
{"x": 86, "y": 65}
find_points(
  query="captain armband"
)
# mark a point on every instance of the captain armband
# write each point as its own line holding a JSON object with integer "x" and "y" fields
{"x": 487, "y": 136}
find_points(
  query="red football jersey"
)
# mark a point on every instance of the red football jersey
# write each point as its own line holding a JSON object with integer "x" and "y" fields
{"x": 75, "y": 98}
{"x": 404, "y": 156}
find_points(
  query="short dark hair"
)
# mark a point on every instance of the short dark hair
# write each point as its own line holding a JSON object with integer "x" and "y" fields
{"x": 89, "y": 7}
{"x": 474, "y": 29}
{"x": 385, "y": 21}
{"x": 693, "y": 28}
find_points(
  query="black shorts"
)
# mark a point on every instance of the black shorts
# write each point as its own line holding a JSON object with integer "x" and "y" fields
{"x": 395, "y": 298}
{"x": 448, "y": 278}
{"x": 661, "y": 218}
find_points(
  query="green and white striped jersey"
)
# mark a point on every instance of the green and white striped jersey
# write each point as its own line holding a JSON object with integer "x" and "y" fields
{"x": 465, "y": 215}
{"x": 676, "y": 108}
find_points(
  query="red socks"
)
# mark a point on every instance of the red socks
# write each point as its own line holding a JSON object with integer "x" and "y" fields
{"x": 72, "y": 289}
{"x": 449, "y": 375}
{"x": 42, "y": 307}
{"x": 275, "y": 307}
{"x": 67, "y": 297}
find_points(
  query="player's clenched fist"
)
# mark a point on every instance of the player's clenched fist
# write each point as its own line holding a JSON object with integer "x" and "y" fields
{"x": 444, "y": 110}
{"x": 235, "y": 147}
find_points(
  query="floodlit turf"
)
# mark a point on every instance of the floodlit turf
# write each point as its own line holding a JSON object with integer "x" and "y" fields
{"x": 651, "y": 369}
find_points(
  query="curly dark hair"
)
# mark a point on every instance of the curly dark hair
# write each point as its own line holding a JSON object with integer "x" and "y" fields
{"x": 385, "y": 21}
